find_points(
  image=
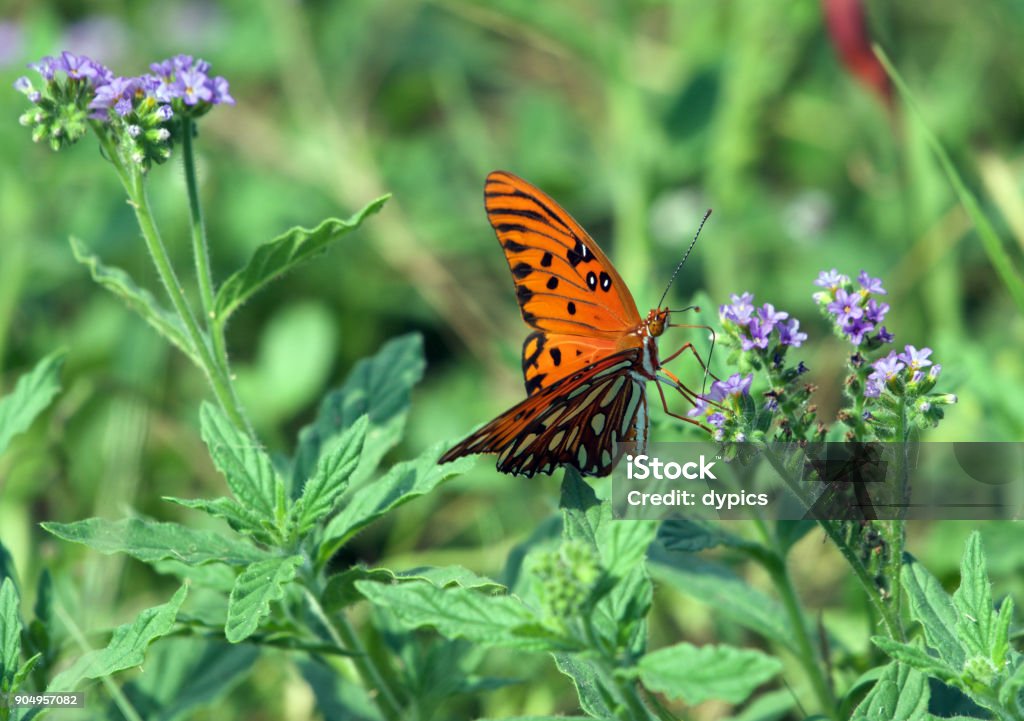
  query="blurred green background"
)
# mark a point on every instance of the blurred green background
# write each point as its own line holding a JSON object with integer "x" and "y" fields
{"x": 635, "y": 116}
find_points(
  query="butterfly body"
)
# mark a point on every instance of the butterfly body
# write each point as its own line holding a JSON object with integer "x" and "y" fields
{"x": 590, "y": 355}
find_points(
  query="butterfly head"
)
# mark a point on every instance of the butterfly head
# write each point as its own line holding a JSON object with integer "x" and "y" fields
{"x": 657, "y": 321}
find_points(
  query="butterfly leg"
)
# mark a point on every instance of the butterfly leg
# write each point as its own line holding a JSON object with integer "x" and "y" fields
{"x": 690, "y": 347}
{"x": 686, "y": 392}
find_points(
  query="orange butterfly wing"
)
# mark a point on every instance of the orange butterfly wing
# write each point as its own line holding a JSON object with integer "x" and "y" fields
{"x": 567, "y": 289}
{"x": 579, "y": 421}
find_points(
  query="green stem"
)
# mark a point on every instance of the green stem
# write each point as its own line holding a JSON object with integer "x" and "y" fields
{"x": 136, "y": 188}
{"x": 775, "y": 564}
{"x": 345, "y": 636}
{"x": 200, "y": 249}
{"x": 204, "y": 275}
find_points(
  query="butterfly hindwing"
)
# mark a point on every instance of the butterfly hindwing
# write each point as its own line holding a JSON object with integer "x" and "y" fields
{"x": 579, "y": 421}
{"x": 564, "y": 283}
{"x": 549, "y": 357}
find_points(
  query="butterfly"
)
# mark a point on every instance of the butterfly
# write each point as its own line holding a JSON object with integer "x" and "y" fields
{"x": 589, "y": 356}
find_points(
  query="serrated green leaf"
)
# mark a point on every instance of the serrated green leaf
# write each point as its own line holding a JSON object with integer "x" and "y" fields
{"x": 341, "y": 591}
{"x": 1012, "y": 688}
{"x": 255, "y": 589}
{"x": 30, "y": 396}
{"x": 932, "y": 607}
{"x": 973, "y": 599}
{"x": 127, "y": 647}
{"x": 237, "y": 516}
{"x": 246, "y": 467}
{"x": 1001, "y": 633}
{"x": 460, "y": 613}
{"x": 593, "y": 697}
{"x": 915, "y": 657}
{"x": 698, "y": 673}
{"x": 725, "y": 592}
{"x": 900, "y": 695}
{"x": 401, "y": 484}
{"x": 379, "y": 387}
{"x": 151, "y": 541}
{"x": 623, "y": 544}
{"x": 10, "y": 635}
{"x": 329, "y": 481}
{"x": 283, "y": 254}
{"x": 137, "y": 298}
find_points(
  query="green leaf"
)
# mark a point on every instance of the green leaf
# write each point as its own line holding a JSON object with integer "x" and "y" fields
{"x": 341, "y": 590}
{"x": 594, "y": 698}
{"x": 725, "y": 592}
{"x": 127, "y": 647}
{"x": 246, "y": 467}
{"x": 401, "y": 484}
{"x": 10, "y": 635}
{"x": 916, "y": 657}
{"x": 768, "y": 707}
{"x": 623, "y": 544}
{"x": 283, "y": 254}
{"x": 151, "y": 541}
{"x": 461, "y": 613}
{"x": 973, "y": 599}
{"x": 255, "y": 589}
{"x": 379, "y": 387}
{"x": 30, "y": 396}
{"x": 338, "y": 697}
{"x": 698, "y": 673}
{"x": 697, "y": 535}
{"x": 237, "y": 516}
{"x": 1001, "y": 633}
{"x": 330, "y": 479}
{"x": 997, "y": 255}
{"x": 900, "y": 695}
{"x": 582, "y": 512}
{"x": 183, "y": 675}
{"x": 138, "y": 299}
{"x": 932, "y": 607}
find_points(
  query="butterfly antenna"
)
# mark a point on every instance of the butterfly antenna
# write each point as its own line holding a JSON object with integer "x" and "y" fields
{"x": 685, "y": 256}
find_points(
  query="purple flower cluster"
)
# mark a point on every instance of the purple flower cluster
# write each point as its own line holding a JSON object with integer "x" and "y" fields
{"x": 712, "y": 405}
{"x": 181, "y": 79}
{"x": 756, "y": 325}
{"x": 854, "y": 312}
{"x": 890, "y": 369}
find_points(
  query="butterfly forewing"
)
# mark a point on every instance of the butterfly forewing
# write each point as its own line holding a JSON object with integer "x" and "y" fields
{"x": 564, "y": 283}
{"x": 579, "y": 421}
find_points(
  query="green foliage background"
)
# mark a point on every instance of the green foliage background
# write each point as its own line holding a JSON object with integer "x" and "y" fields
{"x": 636, "y": 116}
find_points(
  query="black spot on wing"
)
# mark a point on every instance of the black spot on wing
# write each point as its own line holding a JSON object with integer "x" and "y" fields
{"x": 523, "y": 293}
{"x": 556, "y": 356}
{"x": 571, "y": 307}
{"x": 521, "y": 270}
{"x": 552, "y": 283}
{"x": 510, "y": 245}
{"x": 606, "y": 281}
{"x": 592, "y": 280}
{"x": 533, "y": 384}
{"x": 546, "y": 260}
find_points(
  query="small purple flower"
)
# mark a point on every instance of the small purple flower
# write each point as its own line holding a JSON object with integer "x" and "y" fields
{"x": 845, "y": 307}
{"x": 78, "y": 66}
{"x": 741, "y": 309}
{"x": 856, "y": 329}
{"x": 716, "y": 419}
{"x": 884, "y": 335}
{"x": 164, "y": 113}
{"x": 914, "y": 358}
{"x": 116, "y": 94}
{"x": 875, "y": 311}
{"x": 889, "y": 366}
{"x": 194, "y": 87}
{"x": 735, "y": 385}
{"x": 831, "y": 279}
{"x": 870, "y": 285}
{"x": 759, "y": 333}
{"x": 769, "y": 316}
{"x": 873, "y": 387}
{"x": 47, "y": 67}
{"x": 220, "y": 92}
{"x": 700, "y": 408}
{"x": 789, "y": 334}
{"x": 934, "y": 371}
